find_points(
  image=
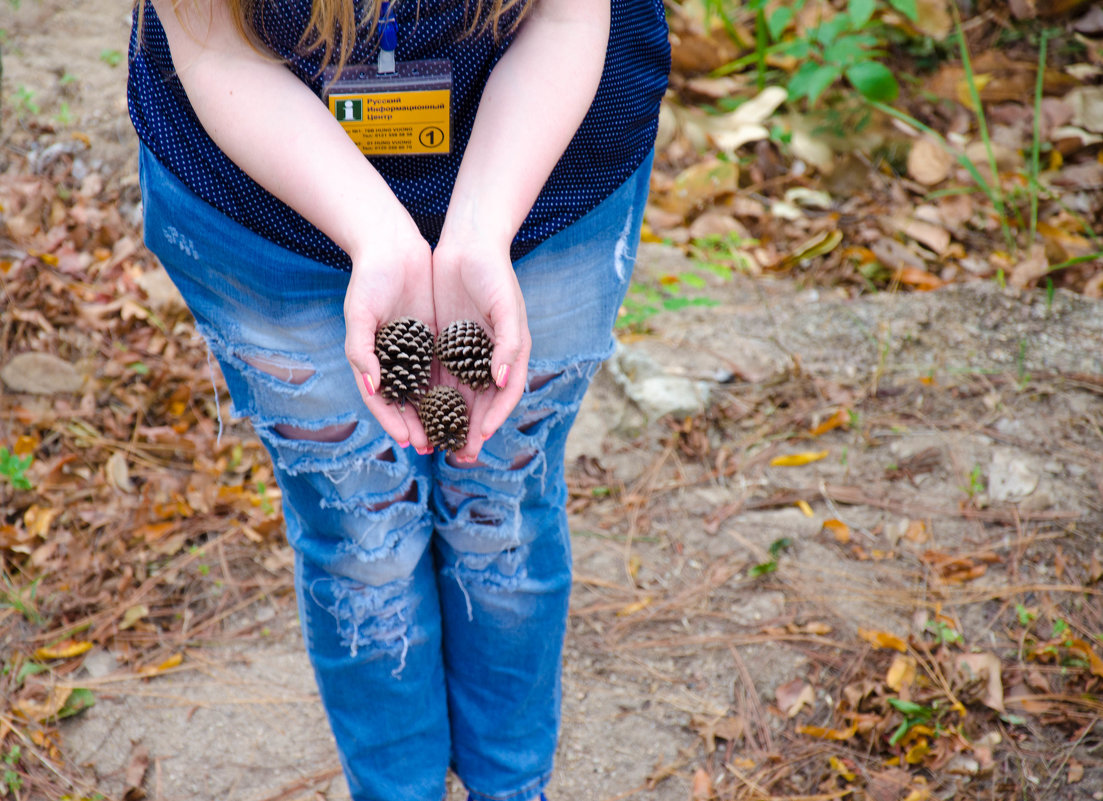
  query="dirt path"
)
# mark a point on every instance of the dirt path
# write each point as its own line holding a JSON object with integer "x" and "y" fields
{"x": 652, "y": 659}
{"x": 969, "y": 439}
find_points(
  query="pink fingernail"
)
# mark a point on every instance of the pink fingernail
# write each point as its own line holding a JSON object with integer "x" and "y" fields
{"x": 428, "y": 449}
{"x": 486, "y": 437}
{"x": 369, "y": 387}
{"x": 503, "y": 376}
{"x": 404, "y": 444}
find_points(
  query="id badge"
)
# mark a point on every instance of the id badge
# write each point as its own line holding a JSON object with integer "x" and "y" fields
{"x": 407, "y": 112}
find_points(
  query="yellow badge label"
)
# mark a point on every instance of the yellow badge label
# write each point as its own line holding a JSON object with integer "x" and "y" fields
{"x": 396, "y": 123}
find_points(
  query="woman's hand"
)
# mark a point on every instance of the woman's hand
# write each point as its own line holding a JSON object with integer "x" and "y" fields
{"x": 391, "y": 278}
{"x": 473, "y": 279}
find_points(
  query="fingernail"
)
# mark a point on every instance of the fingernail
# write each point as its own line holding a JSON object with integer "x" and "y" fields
{"x": 404, "y": 444}
{"x": 466, "y": 459}
{"x": 486, "y": 437}
{"x": 503, "y": 376}
{"x": 369, "y": 387}
{"x": 427, "y": 450}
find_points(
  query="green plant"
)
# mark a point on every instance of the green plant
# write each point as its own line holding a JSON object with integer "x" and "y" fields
{"x": 775, "y": 550}
{"x": 24, "y": 101}
{"x": 976, "y": 482}
{"x": 1026, "y": 617}
{"x": 13, "y": 782}
{"x": 21, "y": 599}
{"x": 64, "y": 115}
{"x": 845, "y": 46}
{"x": 943, "y": 632}
{"x": 111, "y": 58}
{"x": 914, "y": 715}
{"x": 13, "y": 468}
{"x": 265, "y": 504}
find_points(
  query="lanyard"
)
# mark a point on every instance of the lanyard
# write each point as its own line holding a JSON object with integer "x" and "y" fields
{"x": 388, "y": 35}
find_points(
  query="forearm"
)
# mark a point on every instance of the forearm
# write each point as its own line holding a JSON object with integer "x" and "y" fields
{"x": 273, "y": 127}
{"x": 532, "y": 105}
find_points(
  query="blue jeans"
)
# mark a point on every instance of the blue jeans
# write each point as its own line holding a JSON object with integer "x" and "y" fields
{"x": 432, "y": 596}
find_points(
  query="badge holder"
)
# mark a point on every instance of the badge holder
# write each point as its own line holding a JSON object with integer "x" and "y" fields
{"x": 407, "y": 111}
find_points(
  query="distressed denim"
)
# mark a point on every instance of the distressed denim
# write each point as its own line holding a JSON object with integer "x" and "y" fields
{"x": 433, "y": 597}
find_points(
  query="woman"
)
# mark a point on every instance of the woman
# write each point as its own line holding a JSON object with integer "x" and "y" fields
{"x": 432, "y": 587}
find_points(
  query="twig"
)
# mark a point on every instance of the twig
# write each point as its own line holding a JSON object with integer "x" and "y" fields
{"x": 750, "y": 694}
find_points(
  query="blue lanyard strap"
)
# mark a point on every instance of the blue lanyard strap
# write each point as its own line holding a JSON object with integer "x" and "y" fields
{"x": 388, "y": 35}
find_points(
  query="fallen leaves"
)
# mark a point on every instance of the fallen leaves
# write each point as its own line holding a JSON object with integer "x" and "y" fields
{"x": 798, "y": 459}
{"x": 883, "y": 639}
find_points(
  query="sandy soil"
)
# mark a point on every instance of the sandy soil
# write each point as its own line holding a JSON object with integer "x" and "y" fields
{"x": 669, "y": 627}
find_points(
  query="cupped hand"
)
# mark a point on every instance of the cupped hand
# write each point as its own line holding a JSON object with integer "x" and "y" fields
{"x": 391, "y": 278}
{"x": 473, "y": 279}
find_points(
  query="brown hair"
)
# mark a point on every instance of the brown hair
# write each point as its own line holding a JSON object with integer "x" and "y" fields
{"x": 328, "y": 18}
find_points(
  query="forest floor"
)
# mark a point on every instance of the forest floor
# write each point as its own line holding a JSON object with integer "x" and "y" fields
{"x": 829, "y": 542}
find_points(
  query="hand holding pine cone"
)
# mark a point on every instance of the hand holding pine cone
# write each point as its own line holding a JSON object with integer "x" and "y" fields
{"x": 464, "y": 349}
{"x": 443, "y": 412}
{"x": 405, "y": 349}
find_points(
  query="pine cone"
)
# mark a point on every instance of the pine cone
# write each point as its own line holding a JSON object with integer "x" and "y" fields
{"x": 405, "y": 350}
{"x": 443, "y": 412}
{"x": 464, "y": 348}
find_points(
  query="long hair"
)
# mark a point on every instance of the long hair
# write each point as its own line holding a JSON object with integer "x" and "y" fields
{"x": 330, "y": 19}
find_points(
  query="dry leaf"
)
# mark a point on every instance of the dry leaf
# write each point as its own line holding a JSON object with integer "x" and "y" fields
{"x": 919, "y": 278}
{"x": 42, "y": 709}
{"x": 840, "y": 767}
{"x": 793, "y": 696}
{"x": 65, "y": 649}
{"x": 928, "y": 234}
{"x": 1076, "y": 771}
{"x": 839, "y": 529}
{"x": 1095, "y": 663}
{"x": 635, "y": 606}
{"x": 798, "y": 459}
{"x": 984, "y": 667}
{"x": 133, "y": 615}
{"x": 117, "y": 472}
{"x": 917, "y": 532}
{"x": 838, "y": 419}
{"x": 702, "y": 786}
{"x": 929, "y": 162}
{"x": 37, "y": 520}
{"x": 1033, "y": 267}
{"x": 882, "y": 639}
{"x": 136, "y": 773}
{"x": 173, "y": 661}
{"x": 823, "y": 733}
{"x": 698, "y": 185}
{"x": 901, "y": 673}
{"x": 933, "y": 19}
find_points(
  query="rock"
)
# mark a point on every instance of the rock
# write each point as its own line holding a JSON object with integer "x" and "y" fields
{"x": 1011, "y": 476}
{"x": 99, "y": 663}
{"x": 41, "y": 374}
{"x": 654, "y": 391}
{"x": 757, "y": 360}
{"x": 760, "y": 607}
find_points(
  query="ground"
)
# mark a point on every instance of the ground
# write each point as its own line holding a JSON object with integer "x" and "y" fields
{"x": 941, "y": 512}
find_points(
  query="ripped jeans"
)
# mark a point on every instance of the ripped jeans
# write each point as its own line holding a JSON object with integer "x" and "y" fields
{"x": 433, "y": 597}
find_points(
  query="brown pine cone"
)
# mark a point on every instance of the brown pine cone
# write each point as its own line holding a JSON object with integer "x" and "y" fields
{"x": 405, "y": 351}
{"x": 464, "y": 349}
{"x": 443, "y": 413}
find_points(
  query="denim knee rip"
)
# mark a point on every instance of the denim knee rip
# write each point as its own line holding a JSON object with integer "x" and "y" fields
{"x": 479, "y": 509}
{"x": 362, "y": 492}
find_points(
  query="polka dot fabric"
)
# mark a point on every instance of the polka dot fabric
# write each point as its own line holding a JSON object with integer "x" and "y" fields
{"x": 614, "y": 138}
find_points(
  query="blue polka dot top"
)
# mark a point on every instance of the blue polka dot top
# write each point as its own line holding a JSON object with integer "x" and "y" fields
{"x": 612, "y": 141}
